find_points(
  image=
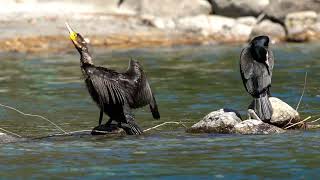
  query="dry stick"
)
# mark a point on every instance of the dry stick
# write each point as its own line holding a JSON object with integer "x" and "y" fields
{"x": 298, "y": 123}
{"x": 34, "y": 115}
{"x": 315, "y": 120}
{"x": 162, "y": 124}
{"x": 10, "y": 132}
{"x": 304, "y": 87}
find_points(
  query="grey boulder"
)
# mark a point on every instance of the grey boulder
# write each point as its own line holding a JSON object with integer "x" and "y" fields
{"x": 220, "y": 121}
{"x": 266, "y": 27}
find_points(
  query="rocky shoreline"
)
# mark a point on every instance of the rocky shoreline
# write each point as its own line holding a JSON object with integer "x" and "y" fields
{"x": 145, "y": 23}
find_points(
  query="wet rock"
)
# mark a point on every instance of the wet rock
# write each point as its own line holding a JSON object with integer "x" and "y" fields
{"x": 4, "y": 138}
{"x": 168, "y": 8}
{"x": 300, "y": 25}
{"x": 253, "y": 126}
{"x": 266, "y": 27}
{"x": 112, "y": 129}
{"x": 220, "y": 121}
{"x": 237, "y": 8}
{"x": 278, "y": 9}
{"x": 283, "y": 113}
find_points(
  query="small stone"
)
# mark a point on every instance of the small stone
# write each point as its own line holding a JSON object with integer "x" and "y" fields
{"x": 5, "y": 138}
{"x": 220, "y": 121}
{"x": 253, "y": 126}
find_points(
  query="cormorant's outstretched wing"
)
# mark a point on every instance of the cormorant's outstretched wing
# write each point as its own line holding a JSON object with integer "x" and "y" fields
{"x": 255, "y": 75}
{"x": 143, "y": 95}
{"x": 106, "y": 85}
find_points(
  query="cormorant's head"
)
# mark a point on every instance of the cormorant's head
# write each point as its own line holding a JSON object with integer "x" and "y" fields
{"x": 78, "y": 41}
{"x": 259, "y": 48}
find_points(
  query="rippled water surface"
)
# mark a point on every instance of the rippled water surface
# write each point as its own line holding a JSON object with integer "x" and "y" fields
{"x": 189, "y": 82}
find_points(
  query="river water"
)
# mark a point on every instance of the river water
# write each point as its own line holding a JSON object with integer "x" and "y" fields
{"x": 189, "y": 82}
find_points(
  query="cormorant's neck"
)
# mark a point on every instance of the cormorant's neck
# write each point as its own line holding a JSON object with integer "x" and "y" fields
{"x": 259, "y": 53}
{"x": 85, "y": 57}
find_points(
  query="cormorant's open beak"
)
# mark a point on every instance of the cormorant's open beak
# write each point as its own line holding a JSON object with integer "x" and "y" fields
{"x": 72, "y": 34}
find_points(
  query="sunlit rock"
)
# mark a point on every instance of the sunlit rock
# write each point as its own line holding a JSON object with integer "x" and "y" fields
{"x": 253, "y": 126}
{"x": 283, "y": 114}
{"x": 266, "y": 27}
{"x": 220, "y": 121}
{"x": 5, "y": 138}
{"x": 301, "y": 26}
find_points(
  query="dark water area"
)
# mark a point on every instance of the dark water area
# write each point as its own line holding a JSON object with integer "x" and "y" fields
{"x": 189, "y": 82}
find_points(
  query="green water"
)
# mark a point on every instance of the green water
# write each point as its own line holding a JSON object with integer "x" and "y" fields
{"x": 189, "y": 82}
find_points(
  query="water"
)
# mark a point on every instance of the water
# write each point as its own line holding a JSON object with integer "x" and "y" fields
{"x": 189, "y": 82}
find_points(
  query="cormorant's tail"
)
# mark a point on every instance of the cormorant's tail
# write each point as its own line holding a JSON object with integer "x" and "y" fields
{"x": 262, "y": 107}
{"x": 132, "y": 128}
{"x": 154, "y": 109}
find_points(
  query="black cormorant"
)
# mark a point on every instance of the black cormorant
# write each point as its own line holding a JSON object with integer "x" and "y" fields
{"x": 256, "y": 64}
{"x": 115, "y": 93}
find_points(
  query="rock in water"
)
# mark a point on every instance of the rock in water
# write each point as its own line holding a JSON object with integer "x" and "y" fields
{"x": 108, "y": 130}
{"x": 282, "y": 113}
{"x": 4, "y": 138}
{"x": 220, "y": 121}
{"x": 253, "y": 126}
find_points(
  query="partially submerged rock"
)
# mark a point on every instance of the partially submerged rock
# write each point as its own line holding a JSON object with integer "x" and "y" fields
{"x": 220, "y": 121}
{"x": 283, "y": 114}
{"x": 5, "y": 138}
{"x": 253, "y": 126}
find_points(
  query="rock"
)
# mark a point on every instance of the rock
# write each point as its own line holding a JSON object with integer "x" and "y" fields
{"x": 278, "y": 9}
{"x": 4, "y": 138}
{"x": 220, "y": 121}
{"x": 237, "y": 8}
{"x": 222, "y": 28}
{"x": 247, "y": 20}
{"x": 266, "y": 27}
{"x": 282, "y": 113}
{"x": 253, "y": 126}
{"x": 300, "y": 25}
{"x": 167, "y": 8}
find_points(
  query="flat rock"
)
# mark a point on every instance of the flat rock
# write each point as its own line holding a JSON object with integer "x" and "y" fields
{"x": 237, "y": 8}
{"x": 167, "y": 8}
{"x": 301, "y": 26}
{"x": 283, "y": 113}
{"x": 220, "y": 121}
{"x": 253, "y": 126}
{"x": 266, "y": 27}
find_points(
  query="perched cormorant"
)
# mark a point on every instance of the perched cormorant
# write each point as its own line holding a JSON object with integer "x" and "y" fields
{"x": 115, "y": 93}
{"x": 256, "y": 64}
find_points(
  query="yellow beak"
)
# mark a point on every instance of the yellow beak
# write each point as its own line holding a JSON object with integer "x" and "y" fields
{"x": 72, "y": 34}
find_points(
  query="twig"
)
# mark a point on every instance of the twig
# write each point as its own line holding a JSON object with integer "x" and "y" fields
{"x": 304, "y": 87}
{"x": 315, "y": 120}
{"x": 34, "y": 115}
{"x": 298, "y": 123}
{"x": 10, "y": 132}
{"x": 162, "y": 124}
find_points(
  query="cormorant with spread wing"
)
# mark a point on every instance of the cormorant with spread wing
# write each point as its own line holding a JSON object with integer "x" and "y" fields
{"x": 115, "y": 93}
{"x": 256, "y": 65}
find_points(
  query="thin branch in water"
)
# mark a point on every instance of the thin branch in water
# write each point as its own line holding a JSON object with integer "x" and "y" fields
{"x": 304, "y": 87}
{"x": 162, "y": 124}
{"x": 34, "y": 115}
{"x": 315, "y": 120}
{"x": 10, "y": 132}
{"x": 298, "y": 123}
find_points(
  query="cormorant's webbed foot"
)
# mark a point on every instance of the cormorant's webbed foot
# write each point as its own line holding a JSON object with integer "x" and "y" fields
{"x": 105, "y": 129}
